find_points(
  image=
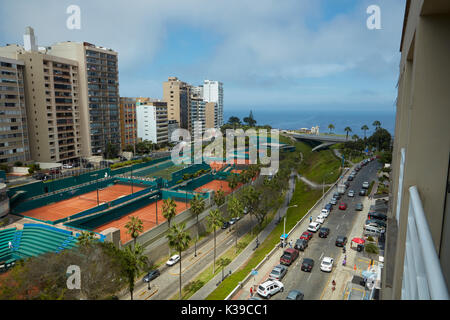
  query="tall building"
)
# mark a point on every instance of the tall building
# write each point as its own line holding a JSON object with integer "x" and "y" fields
{"x": 213, "y": 92}
{"x": 53, "y": 102}
{"x": 13, "y": 115}
{"x": 99, "y": 94}
{"x": 171, "y": 127}
{"x": 128, "y": 121}
{"x": 177, "y": 95}
{"x": 196, "y": 114}
{"x": 417, "y": 255}
{"x": 152, "y": 121}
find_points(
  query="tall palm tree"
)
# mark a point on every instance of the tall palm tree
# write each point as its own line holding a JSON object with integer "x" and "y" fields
{"x": 331, "y": 127}
{"x": 134, "y": 262}
{"x": 355, "y": 137}
{"x": 233, "y": 180}
{"x": 86, "y": 238}
{"x": 169, "y": 211}
{"x": 364, "y": 128}
{"x": 179, "y": 240}
{"x": 376, "y": 124}
{"x": 347, "y": 129}
{"x": 236, "y": 210}
{"x": 134, "y": 227}
{"x": 214, "y": 220}
{"x": 197, "y": 206}
{"x": 219, "y": 198}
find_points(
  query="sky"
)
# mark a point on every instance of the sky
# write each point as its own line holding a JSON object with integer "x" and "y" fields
{"x": 269, "y": 54}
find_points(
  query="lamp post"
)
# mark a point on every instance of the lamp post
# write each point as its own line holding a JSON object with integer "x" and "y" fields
{"x": 131, "y": 178}
{"x": 284, "y": 226}
{"x": 156, "y": 211}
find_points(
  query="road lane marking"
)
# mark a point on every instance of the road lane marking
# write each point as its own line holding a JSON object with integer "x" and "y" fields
{"x": 337, "y": 226}
{"x": 309, "y": 277}
{"x": 321, "y": 256}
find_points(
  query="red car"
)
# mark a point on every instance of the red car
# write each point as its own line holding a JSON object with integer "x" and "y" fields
{"x": 306, "y": 235}
{"x": 343, "y": 206}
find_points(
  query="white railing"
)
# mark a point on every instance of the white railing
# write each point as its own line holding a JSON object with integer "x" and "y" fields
{"x": 422, "y": 274}
{"x": 400, "y": 184}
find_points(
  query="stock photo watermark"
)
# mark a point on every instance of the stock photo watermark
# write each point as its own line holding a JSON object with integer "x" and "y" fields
{"x": 74, "y": 277}
{"x": 73, "y": 22}
{"x": 373, "y": 22}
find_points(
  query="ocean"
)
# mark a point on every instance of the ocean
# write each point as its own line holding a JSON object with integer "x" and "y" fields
{"x": 294, "y": 120}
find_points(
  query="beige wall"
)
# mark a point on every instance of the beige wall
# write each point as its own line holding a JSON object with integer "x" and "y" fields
{"x": 210, "y": 115}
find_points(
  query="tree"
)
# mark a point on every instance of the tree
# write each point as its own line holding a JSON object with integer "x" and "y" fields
{"x": 347, "y": 129}
{"x": 381, "y": 139}
{"x": 250, "y": 120}
{"x": 233, "y": 180}
{"x": 355, "y": 137}
{"x": 250, "y": 198}
{"x": 134, "y": 227}
{"x": 134, "y": 262}
{"x": 179, "y": 240}
{"x": 236, "y": 210}
{"x": 376, "y": 124}
{"x": 234, "y": 121}
{"x": 364, "y": 128}
{"x": 169, "y": 210}
{"x": 214, "y": 220}
{"x": 331, "y": 127}
{"x": 111, "y": 151}
{"x": 219, "y": 198}
{"x": 197, "y": 205}
{"x": 86, "y": 238}
{"x": 223, "y": 262}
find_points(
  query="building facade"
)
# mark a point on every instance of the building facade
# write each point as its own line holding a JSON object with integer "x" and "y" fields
{"x": 13, "y": 115}
{"x": 171, "y": 127}
{"x": 152, "y": 121}
{"x": 176, "y": 94}
{"x": 213, "y": 92}
{"x": 128, "y": 121}
{"x": 417, "y": 255}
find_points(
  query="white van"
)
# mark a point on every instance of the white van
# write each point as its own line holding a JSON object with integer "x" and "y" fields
{"x": 372, "y": 230}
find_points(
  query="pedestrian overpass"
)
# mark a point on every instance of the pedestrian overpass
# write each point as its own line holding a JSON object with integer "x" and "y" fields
{"x": 325, "y": 140}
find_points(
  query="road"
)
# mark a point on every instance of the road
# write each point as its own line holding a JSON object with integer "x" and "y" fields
{"x": 340, "y": 223}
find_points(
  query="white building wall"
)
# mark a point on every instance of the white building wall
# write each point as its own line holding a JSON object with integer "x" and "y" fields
{"x": 213, "y": 92}
{"x": 146, "y": 122}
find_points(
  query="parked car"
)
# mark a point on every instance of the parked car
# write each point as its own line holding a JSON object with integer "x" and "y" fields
{"x": 377, "y": 222}
{"x": 329, "y": 206}
{"x": 269, "y": 288}
{"x": 351, "y": 193}
{"x": 365, "y": 185}
{"x": 289, "y": 256}
{"x": 342, "y": 206}
{"x": 341, "y": 241}
{"x": 347, "y": 184}
{"x": 373, "y": 231}
{"x": 320, "y": 219}
{"x": 314, "y": 226}
{"x": 278, "y": 272}
{"x": 324, "y": 232}
{"x": 350, "y": 178}
{"x": 306, "y": 235}
{"x": 173, "y": 259}
{"x": 67, "y": 166}
{"x": 327, "y": 264}
{"x": 225, "y": 225}
{"x": 295, "y": 295}
{"x": 301, "y": 244}
{"x": 359, "y": 207}
{"x": 377, "y": 216}
{"x": 325, "y": 212}
{"x": 362, "y": 192}
{"x": 353, "y": 173}
{"x": 151, "y": 275}
{"x": 307, "y": 264}
{"x": 333, "y": 201}
{"x": 337, "y": 195}
{"x": 233, "y": 221}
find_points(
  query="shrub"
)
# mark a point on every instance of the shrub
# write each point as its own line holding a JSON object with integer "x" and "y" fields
{"x": 370, "y": 238}
{"x": 193, "y": 286}
{"x": 18, "y": 164}
{"x": 4, "y": 167}
{"x": 372, "y": 248}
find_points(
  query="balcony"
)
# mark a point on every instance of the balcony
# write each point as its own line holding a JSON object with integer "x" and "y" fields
{"x": 422, "y": 273}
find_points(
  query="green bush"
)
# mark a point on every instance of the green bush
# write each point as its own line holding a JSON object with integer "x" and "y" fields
{"x": 372, "y": 248}
{"x": 18, "y": 164}
{"x": 370, "y": 238}
{"x": 4, "y": 167}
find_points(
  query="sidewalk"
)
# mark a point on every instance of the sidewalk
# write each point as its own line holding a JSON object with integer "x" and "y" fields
{"x": 247, "y": 252}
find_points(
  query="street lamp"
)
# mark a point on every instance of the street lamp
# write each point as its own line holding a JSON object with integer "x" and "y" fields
{"x": 149, "y": 285}
{"x": 156, "y": 211}
{"x": 284, "y": 227}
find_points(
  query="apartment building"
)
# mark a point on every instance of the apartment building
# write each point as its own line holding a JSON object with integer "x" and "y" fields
{"x": 417, "y": 255}
{"x": 176, "y": 94}
{"x": 128, "y": 121}
{"x": 13, "y": 116}
{"x": 53, "y": 105}
{"x": 213, "y": 92}
{"x": 152, "y": 121}
{"x": 196, "y": 115}
{"x": 99, "y": 94}
{"x": 172, "y": 125}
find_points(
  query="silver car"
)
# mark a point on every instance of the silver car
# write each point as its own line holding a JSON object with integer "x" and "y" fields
{"x": 351, "y": 193}
{"x": 278, "y": 272}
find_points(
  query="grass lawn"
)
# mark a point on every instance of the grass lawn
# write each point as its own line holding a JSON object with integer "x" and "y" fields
{"x": 304, "y": 198}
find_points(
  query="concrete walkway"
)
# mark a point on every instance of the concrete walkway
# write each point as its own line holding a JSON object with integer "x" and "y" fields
{"x": 248, "y": 251}
{"x": 312, "y": 184}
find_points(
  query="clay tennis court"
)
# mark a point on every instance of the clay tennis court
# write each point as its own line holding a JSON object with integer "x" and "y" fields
{"x": 217, "y": 185}
{"x": 68, "y": 207}
{"x": 146, "y": 214}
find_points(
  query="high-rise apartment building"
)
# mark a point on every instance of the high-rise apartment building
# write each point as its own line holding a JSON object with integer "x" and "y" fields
{"x": 99, "y": 94}
{"x": 152, "y": 121}
{"x": 13, "y": 116}
{"x": 53, "y": 103}
{"x": 196, "y": 114}
{"x": 177, "y": 95}
{"x": 171, "y": 127}
{"x": 213, "y": 92}
{"x": 128, "y": 120}
{"x": 417, "y": 254}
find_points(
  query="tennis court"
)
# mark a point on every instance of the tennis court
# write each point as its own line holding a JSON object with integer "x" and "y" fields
{"x": 167, "y": 173}
{"x": 217, "y": 185}
{"x": 65, "y": 208}
{"x": 146, "y": 214}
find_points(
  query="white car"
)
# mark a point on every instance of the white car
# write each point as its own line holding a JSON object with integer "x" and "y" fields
{"x": 327, "y": 264}
{"x": 173, "y": 259}
{"x": 320, "y": 219}
{"x": 324, "y": 213}
{"x": 313, "y": 226}
{"x": 351, "y": 193}
{"x": 269, "y": 288}
{"x": 67, "y": 166}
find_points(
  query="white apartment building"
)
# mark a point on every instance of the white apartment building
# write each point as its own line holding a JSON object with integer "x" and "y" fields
{"x": 152, "y": 121}
{"x": 213, "y": 92}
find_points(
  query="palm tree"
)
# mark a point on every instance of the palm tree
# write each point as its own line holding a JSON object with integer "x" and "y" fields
{"x": 347, "y": 129}
{"x": 179, "y": 240}
{"x": 86, "y": 238}
{"x": 355, "y": 137}
{"x": 169, "y": 210}
{"x": 376, "y": 124}
{"x": 236, "y": 210}
{"x": 223, "y": 262}
{"x": 233, "y": 180}
{"x": 364, "y": 128}
{"x": 134, "y": 262}
{"x": 219, "y": 198}
{"x": 214, "y": 220}
{"x": 331, "y": 127}
{"x": 197, "y": 206}
{"x": 134, "y": 227}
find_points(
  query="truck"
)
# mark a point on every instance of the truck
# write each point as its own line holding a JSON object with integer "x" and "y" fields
{"x": 341, "y": 188}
